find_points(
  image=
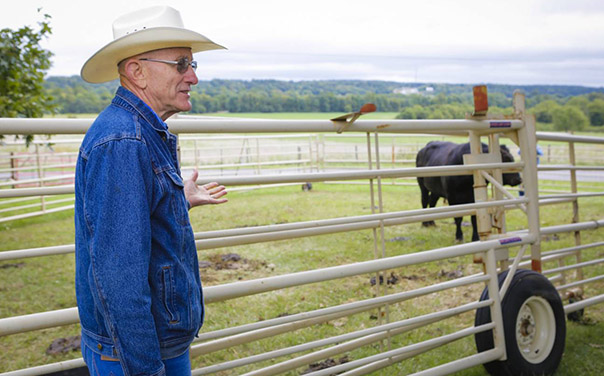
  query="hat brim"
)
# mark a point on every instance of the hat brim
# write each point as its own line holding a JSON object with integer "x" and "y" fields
{"x": 102, "y": 66}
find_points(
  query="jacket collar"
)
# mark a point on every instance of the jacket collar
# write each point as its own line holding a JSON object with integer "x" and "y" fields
{"x": 126, "y": 98}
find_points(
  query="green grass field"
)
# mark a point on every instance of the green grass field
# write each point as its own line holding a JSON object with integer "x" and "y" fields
{"x": 46, "y": 283}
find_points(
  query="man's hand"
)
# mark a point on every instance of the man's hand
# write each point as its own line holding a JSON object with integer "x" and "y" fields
{"x": 210, "y": 193}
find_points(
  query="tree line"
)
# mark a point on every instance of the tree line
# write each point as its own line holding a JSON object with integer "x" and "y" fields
{"x": 557, "y": 107}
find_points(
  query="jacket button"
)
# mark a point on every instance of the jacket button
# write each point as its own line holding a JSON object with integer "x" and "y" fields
{"x": 99, "y": 346}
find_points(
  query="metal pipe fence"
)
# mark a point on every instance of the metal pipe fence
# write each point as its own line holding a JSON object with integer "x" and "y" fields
{"x": 492, "y": 251}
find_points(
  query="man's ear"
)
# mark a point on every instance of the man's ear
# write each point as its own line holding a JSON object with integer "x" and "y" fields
{"x": 135, "y": 72}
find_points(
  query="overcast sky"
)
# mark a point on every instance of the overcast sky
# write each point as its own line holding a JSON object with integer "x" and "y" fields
{"x": 443, "y": 41}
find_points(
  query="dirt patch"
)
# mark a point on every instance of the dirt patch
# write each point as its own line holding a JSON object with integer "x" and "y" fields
{"x": 392, "y": 279}
{"x": 399, "y": 239}
{"x": 550, "y": 238}
{"x": 327, "y": 363}
{"x": 452, "y": 274}
{"x": 64, "y": 345}
{"x": 13, "y": 265}
{"x": 223, "y": 268}
{"x": 232, "y": 261}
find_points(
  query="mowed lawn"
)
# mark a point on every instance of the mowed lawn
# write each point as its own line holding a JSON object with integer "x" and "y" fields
{"x": 46, "y": 283}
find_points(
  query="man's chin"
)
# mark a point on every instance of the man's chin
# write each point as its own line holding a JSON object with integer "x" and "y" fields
{"x": 185, "y": 107}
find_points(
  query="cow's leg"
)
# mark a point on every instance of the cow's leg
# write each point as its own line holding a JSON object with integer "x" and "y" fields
{"x": 474, "y": 229}
{"x": 458, "y": 232}
{"x": 432, "y": 203}
{"x": 427, "y": 199}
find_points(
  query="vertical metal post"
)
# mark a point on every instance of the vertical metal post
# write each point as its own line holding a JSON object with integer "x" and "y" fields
{"x": 382, "y": 239}
{"x": 393, "y": 154}
{"x": 323, "y": 152}
{"x": 14, "y": 174}
{"x": 310, "y": 159}
{"x": 40, "y": 176}
{"x": 498, "y": 216}
{"x": 573, "y": 186}
{"x": 499, "y": 212}
{"x": 493, "y": 287}
{"x": 483, "y": 219}
{"x": 374, "y": 230}
{"x": 258, "y": 156}
{"x": 380, "y": 199}
{"x": 221, "y": 161}
{"x": 528, "y": 151}
{"x": 196, "y": 156}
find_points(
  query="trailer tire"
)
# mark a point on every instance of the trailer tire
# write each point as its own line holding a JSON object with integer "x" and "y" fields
{"x": 534, "y": 326}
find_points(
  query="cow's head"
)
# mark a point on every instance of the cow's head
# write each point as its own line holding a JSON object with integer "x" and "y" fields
{"x": 510, "y": 178}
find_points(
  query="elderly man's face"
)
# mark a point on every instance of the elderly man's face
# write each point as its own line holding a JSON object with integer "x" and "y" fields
{"x": 168, "y": 90}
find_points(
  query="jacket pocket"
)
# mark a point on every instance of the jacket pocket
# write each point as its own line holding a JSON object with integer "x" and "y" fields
{"x": 168, "y": 295}
{"x": 178, "y": 200}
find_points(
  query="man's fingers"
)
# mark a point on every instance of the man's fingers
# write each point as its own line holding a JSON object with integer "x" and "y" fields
{"x": 194, "y": 175}
{"x": 210, "y": 185}
{"x": 218, "y": 194}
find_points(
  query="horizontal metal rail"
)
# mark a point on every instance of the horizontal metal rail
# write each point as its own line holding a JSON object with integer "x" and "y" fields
{"x": 45, "y": 142}
{"x": 252, "y": 164}
{"x": 548, "y": 136}
{"x": 579, "y": 283}
{"x": 324, "y": 230}
{"x": 35, "y": 205}
{"x": 569, "y": 168}
{"x": 43, "y": 320}
{"x": 368, "y": 304}
{"x": 461, "y": 364}
{"x": 574, "y": 266}
{"x": 353, "y": 219}
{"x": 248, "y": 235}
{"x": 38, "y": 180}
{"x": 406, "y": 324}
{"x": 21, "y": 126}
{"x": 48, "y": 368}
{"x": 301, "y": 177}
{"x": 246, "y": 137}
{"x": 572, "y": 195}
{"x": 583, "y": 303}
{"x": 40, "y": 191}
{"x": 572, "y": 227}
{"x": 34, "y": 167}
{"x": 37, "y": 213}
{"x": 410, "y": 350}
{"x": 330, "y": 313}
{"x": 568, "y": 250}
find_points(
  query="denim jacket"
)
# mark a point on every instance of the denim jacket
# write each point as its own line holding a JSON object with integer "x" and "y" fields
{"x": 137, "y": 275}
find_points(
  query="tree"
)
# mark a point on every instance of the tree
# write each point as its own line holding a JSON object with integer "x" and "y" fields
{"x": 544, "y": 111}
{"x": 596, "y": 112}
{"x": 569, "y": 118}
{"x": 581, "y": 102}
{"x": 23, "y": 64}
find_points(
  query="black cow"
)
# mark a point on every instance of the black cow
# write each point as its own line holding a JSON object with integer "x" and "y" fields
{"x": 455, "y": 189}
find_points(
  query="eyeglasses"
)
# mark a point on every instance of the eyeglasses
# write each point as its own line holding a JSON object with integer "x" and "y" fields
{"x": 182, "y": 64}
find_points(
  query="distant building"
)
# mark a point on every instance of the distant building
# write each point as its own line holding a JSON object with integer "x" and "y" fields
{"x": 414, "y": 90}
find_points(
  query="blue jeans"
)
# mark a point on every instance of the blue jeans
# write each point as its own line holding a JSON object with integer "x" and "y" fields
{"x": 102, "y": 366}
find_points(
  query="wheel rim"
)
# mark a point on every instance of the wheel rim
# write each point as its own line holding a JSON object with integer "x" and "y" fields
{"x": 535, "y": 329}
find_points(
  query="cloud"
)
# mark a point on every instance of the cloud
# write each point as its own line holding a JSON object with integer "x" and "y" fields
{"x": 513, "y": 41}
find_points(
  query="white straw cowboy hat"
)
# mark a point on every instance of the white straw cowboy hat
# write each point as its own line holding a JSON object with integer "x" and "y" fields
{"x": 144, "y": 30}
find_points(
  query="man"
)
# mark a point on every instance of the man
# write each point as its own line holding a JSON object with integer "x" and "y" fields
{"x": 137, "y": 275}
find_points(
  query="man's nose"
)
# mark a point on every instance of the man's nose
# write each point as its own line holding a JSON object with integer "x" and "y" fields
{"x": 191, "y": 76}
